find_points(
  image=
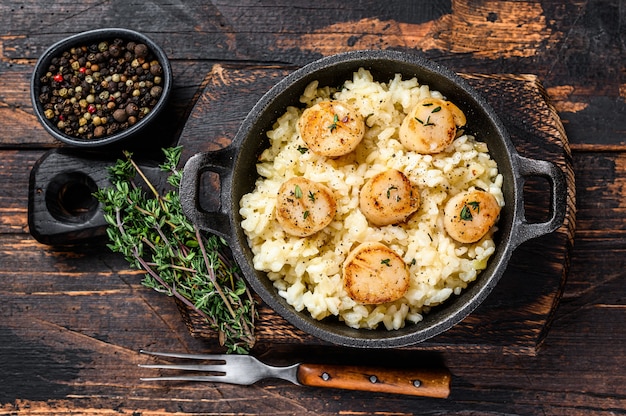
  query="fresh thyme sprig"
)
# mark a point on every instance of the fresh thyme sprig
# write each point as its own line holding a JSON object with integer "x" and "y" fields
{"x": 150, "y": 229}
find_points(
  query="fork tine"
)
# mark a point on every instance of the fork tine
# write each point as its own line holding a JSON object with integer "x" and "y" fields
{"x": 219, "y": 368}
{"x": 185, "y": 378}
{"x": 212, "y": 357}
{"x": 233, "y": 368}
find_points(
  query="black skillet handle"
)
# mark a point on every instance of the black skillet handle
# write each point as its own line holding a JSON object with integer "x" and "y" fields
{"x": 558, "y": 201}
{"x": 216, "y": 220}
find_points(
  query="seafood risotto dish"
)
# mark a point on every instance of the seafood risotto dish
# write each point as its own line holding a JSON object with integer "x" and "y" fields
{"x": 372, "y": 203}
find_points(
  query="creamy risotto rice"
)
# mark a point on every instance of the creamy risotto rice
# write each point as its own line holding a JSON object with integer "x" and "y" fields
{"x": 307, "y": 271}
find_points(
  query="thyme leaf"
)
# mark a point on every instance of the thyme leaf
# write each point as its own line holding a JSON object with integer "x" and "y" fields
{"x": 334, "y": 124}
{"x": 297, "y": 192}
{"x": 425, "y": 123}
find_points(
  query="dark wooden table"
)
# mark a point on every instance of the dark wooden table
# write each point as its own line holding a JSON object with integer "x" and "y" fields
{"x": 73, "y": 318}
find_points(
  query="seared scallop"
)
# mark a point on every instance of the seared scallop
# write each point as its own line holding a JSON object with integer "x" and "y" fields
{"x": 430, "y": 126}
{"x": 468, "y": 216}
{"x": 304, "y": 207}
{"x": 373, "y": 274}
{"x": 388, "y": 198}
{"x": 331, "y": 128}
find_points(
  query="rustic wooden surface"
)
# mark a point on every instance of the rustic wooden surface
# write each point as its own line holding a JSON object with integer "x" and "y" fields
{"x": 73, "y": 319}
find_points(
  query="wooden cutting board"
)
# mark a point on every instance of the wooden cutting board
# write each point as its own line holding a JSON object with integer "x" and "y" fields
{"x": 516, "y": 316}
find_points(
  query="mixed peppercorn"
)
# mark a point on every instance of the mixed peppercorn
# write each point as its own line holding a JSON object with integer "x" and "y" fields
{"x": 97, "y": 90}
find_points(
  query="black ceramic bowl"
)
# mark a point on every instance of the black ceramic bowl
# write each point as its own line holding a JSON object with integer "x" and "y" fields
{"x": 236, "y": 168}
{"x": 85, "y": 39}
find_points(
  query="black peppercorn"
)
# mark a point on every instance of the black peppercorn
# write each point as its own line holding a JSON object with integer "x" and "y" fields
{"x": 120, "y": 115}
{"x": 141, "y": 50}
{"x": 114, "y": 50}
{"x": 156, "y": 69}
{"x": 132, "y": 109}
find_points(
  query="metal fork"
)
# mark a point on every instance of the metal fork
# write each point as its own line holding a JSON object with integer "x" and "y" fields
{"x": 234, "y": 369}
{"x": 247, "y": 370}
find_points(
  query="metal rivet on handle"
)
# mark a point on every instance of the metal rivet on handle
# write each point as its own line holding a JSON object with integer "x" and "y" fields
{"x": 373, "y": 379}
{"x": 417, "y": 383}
{"x": 325, "y": 376}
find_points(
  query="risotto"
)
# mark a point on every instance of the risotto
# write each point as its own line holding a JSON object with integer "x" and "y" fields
{"x": 308, "y": 270}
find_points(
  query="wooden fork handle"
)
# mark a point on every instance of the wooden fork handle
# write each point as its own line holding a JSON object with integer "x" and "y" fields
{"x": 415, "y": 382}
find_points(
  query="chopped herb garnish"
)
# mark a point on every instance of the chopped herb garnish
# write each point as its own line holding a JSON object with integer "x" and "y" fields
{"x": 306, "y": 214}
{"x": 386, "y": 262}
{"x": 333, "y": 126}
{"x": 427, "y": 104}
{"x": 466, "y": 212}
{"x": 303, "y": 149}
{"x": 311, "y": 196}
{"x": 297, "y": 192}
{"x": 427, "y": 123}
{"x": 436, "y": 109}
{"x": 391, "y": 188}
{"x": 475, "y": 205}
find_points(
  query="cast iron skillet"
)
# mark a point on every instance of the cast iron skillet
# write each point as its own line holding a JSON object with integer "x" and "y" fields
{"x": 236, "y": 168}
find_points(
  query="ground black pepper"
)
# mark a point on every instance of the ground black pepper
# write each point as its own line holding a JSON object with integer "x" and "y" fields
{"x": 96, "y": 90}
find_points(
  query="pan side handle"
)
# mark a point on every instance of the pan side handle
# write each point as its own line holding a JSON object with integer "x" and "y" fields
{"x": 558, "y": 199}
{"x": 215, "y": 220}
